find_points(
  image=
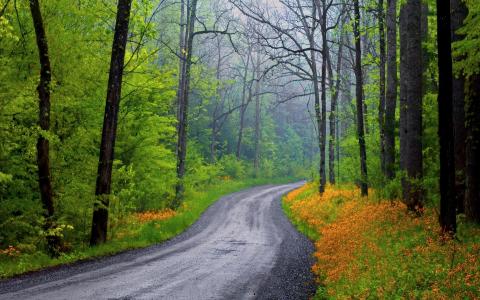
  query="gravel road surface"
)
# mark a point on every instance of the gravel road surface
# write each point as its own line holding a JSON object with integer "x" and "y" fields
{"x": 243, "y": 247}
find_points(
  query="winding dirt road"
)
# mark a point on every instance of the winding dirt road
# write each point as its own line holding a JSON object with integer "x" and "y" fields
{"x": 243, "y": 247}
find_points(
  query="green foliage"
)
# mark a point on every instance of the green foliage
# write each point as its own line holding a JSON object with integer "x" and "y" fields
{"x": 466, "y": 51}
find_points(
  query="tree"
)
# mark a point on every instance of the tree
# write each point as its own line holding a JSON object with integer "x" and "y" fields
{"x": 445, "y": 117}
{"x": 459, "y": 13}
{"x": 245, "y": 102}
{"x": 182, "y": 113}
{"x": 381, "y": 102}
{"x": 43, "y": 145}
{"x": 256, "y": 160}
{"x": 391, "y": 93}
{"x": 333, "y": 140}
{"x": 403, "y": 95}
{"x": 107, "y": 146}
{"x": 472, "y": 173}
{"x": 414, "y": 78}
{"x": 359, "y": 96}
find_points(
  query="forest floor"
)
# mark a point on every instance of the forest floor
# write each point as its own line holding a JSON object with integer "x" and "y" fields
{"x": 137, "y": 230}
{"x": 242, "y": 247}
{"x": 372, "y": 248}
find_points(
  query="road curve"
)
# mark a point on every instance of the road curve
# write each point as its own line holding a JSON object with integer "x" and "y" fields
{"x": 243, "y": 247}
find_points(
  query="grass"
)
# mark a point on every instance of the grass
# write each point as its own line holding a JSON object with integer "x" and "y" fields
{"x": 136, "y": 231}
{"x": 369, "y": 248}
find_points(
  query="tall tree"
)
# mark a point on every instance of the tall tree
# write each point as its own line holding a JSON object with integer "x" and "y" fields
{"x": 323, "y": 128}
{"x": 403, "y": 95}
{"x": 359, "y": 96}
{"x": 258, "y": 137}
{"x": 245, "y": 102}
{"x": 333, "y": 118}
{"x": 43, "y": 146}
{"x": 445, "y": 117}
{"x": 391, "y": 93}
{"x": 182, "y": 112}
{"x": 472, "y": 170}
{"x": 104, "y": 176}
{"x": 414, "y": 77}
{"x": 381, "y": 102}
{"x": 459, "y": 13}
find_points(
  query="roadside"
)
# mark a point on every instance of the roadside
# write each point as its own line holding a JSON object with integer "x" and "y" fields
{"x": 372, "y": 248}
{"x": 242, "y": 247}
{"x": 133, "y": 231}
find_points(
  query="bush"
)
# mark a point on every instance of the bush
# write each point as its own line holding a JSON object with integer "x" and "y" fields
{"x": 232, "y": 167}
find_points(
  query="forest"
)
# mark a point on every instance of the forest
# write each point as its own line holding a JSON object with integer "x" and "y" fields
{"x": 121, "y": 121}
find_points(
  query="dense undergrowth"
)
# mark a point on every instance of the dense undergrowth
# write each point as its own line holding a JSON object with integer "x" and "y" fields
{"x": 371, "y": 248}
{"x": 135, "y": 230}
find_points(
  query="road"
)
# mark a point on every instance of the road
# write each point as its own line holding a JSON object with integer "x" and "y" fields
{"x": 243, "y": 247}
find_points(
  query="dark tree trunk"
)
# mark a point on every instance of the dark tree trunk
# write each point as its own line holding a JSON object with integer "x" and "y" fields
{"x": 445, "y": 116}
{"x": 414, "y": 77}
{"x": 359, "y": 95}
{"x": 104, "y": 176}
{"x": 472, "y": 170}
{"x": 381, "y": 102}
{"x": 459, "y": 13}
{"x": 183, "y": 107}
{"x": 391, "y": 96}
{"x": 43, "y": 147}
{"x": 403, "y": 96}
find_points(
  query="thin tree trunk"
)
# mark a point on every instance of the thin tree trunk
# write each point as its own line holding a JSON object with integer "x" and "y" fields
{"x": 182, "y": 54}
{"x": 43, "y": 146}
{"x": 391, "y": 96}
{"x": 323, "y": 128}
{"x": 403, "y": 96}
{"x": 104, "y": 177}
{"x": 359, "y": 95}
{"x": 414, "y": 163}
{"x": 183, "y": 107}
{"x": 445, "y": 116}
{"x": 472, "y": 170}
{"x": 213, "y": 142}
{"x": 243, "y": 109}
{"x": 381, "y": 102}
{"x": 256, "y": 162}
{"x": 333, "y": 115}
{"x": 459, "y": 13}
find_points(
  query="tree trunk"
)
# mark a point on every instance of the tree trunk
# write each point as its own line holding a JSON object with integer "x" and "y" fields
{"x": 381, "y": 102}
{"x": 403, "y": 96}
{"x": 472, "y": 150}
{"x": 256, "y": 162}
{"x": 243, "y": 108}
{"x": 391, "y": 96}
{"x": 333, "y": 115}
{"x": 445, "y": 116}
{"x": 183, "y": 107}
{"x": 459, "y": 13}
{"x": 414, "y": 77}
{"x": 183, "y": 57}
{"x": 359, "y": 95}
{"x": 217, "y": 98}
{"x": 43, "y": 146}
{"x": 323, "y": 127}
{"x": 104, "y": 176}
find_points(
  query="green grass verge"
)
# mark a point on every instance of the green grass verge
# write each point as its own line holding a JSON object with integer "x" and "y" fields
{"x": 147, "y": 234}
